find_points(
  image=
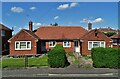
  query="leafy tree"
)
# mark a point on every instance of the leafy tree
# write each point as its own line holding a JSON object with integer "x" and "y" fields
{"x": 109, "y": 34}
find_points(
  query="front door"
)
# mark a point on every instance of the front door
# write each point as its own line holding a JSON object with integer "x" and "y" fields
{"x": 43, "y": 47}
{"x": 77, "y": 46}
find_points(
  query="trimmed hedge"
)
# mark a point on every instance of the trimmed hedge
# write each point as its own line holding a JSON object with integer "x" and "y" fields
{"x": 106, "y": 57}
{"x": 57, "y": 57}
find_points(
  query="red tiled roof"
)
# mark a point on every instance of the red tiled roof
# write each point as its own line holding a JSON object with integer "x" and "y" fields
{"x": 60, "y": 32}
{"x": 4, "y": 27}
{"x": 107, "y": 30}
{"x": 91, "y": 32}
{"x": 28, "y": 32}
{"x": 31, "y": 33}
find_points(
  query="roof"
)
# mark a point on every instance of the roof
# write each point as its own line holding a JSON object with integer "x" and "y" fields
{"x": 27, "y": 31}
{"x": 88, "y": 34}
{"x": 107, "y": 30}
{"x": 31, "y": 33}
{"x": 116, "y": 35}
{"x": 4, "y": 27}
{"x": 60, "y": 32}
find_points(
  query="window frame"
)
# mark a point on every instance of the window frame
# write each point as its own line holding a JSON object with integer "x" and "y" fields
{"x": 67, "y": 42}
{"x": 22, "y": 48}
{"x": 3, "y": 33}
{"x": 93, "y": 43}
{"x": 52, "y": 43}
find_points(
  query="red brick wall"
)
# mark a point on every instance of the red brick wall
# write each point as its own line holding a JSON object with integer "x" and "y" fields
{"x": 23, "y": 36}
{"x": 67, "y": 49}
{"x": 91, "y": 37}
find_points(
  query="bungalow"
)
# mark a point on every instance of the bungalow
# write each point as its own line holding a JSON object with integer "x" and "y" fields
{"x": 73, "y": 38}
{"x": 6, "y": 33}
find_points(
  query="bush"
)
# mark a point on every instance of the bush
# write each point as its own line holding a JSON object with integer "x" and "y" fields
{"x": 57, "y": 57}
{"x": 106, "y": 57}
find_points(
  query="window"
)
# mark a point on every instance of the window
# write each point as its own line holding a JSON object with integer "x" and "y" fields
{"x": 66, "y": 44}
{"x": 3, "y": 33}
{"x": 95, "y": 44}
{"x": 52, "y": 43}
{"x": 23, "y": 45}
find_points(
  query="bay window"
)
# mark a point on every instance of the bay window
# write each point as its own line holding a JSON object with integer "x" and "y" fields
{"x": 95, "y": 44}
{"x": 22, "y": 45}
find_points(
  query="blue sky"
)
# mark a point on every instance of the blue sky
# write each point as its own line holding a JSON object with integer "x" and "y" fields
{"x": 101, "y": 14}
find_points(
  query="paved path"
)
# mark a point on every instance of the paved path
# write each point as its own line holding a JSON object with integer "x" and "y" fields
{"x": 65, "y": 72}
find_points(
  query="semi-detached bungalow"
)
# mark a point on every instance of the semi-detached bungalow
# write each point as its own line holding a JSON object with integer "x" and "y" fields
{"x": 73, "y": 38}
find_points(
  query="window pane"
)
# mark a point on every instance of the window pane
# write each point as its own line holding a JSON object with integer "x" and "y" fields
{"x": 90, "y": 45}
{"x": 28, "y": 44}
{"x": 96, "y": 44}
{"x": 53, "y": 43}
{"x": 17, "y": 45}
{"x": 68, "y": 43}
{"x": 65, "y": 43}
{"x": 22, "y": 45}
{"x": 3, "y": 33}
{"x": 102, "y": 44}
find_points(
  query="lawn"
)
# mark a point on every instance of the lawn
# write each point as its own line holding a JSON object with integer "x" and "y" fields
{"x": 20, "y": 62}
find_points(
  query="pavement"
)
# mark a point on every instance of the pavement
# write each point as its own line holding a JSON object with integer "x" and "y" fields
{"x": 60, "y": 72}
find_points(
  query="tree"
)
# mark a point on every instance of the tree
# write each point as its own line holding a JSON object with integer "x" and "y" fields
{"x": 109, "y": 34}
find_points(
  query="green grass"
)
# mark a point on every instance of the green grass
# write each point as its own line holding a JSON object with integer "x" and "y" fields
{"x": 20, "y": 62}
{"x": 70, "y": 54}
{"x": 87, "y": 56}
{"x": 76, "y": 61}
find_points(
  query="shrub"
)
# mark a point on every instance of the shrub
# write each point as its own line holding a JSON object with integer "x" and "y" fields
{"x": 57, "y": 57}
{"x": 106, "y": 57}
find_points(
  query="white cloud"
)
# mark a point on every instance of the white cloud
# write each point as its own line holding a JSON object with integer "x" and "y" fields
{"x": 74, "y": 4}
{"x": 17, "y": 9}
{"x": 98, "y": 20}
{"x": 66, "y": 6}
{"x": 37, "y": 24}
{"x": 32, "y": 8}
{"x": 63, "y": 6}
{"x": 83, "y": 21}
{"x": 56, "y": 17}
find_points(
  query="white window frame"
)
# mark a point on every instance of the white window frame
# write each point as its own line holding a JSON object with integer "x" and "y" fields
{"x": 95, "y": 41}
{"x": 22, "y": 48}
{"x": 52, "y": 43}
{"x": 67, "y": 42}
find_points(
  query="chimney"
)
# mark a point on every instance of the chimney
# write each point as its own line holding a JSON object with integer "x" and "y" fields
{"x": 30, "y": 25}
{"x": 89, "y": 26}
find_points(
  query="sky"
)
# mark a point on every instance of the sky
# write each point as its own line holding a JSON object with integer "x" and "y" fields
{"x": 100, "y": 14}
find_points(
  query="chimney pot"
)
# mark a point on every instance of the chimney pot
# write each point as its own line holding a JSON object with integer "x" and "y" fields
{"x": 30, "y": 25}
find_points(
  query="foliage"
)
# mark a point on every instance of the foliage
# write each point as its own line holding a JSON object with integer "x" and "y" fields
{"x": 109, "y": 34}
{"x": 106, "y": 57}
{"x": 57, "y": 57}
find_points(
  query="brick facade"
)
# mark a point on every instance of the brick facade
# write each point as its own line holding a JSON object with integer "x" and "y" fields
{"x": 91, "y": 37}
{"x": 23, "y": 36}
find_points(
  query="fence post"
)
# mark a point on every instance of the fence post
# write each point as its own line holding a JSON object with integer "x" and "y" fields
{"x": 26, "y": 61}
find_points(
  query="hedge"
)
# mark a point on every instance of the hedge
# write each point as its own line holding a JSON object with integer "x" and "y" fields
{"x": 106, "y": 57}
{"x": 57, "y": 57}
